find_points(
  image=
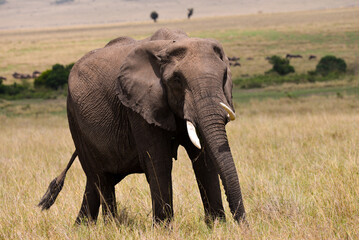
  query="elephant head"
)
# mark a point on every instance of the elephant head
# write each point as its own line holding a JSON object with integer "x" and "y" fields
{"x": 189, "y": 79}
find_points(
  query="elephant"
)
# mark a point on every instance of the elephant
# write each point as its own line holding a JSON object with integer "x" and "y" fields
{"x": 132, "y": 103}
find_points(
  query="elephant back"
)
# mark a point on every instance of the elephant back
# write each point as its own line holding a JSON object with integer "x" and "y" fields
{"x": 168, "y": 34}
{"x": 121, "y": 41}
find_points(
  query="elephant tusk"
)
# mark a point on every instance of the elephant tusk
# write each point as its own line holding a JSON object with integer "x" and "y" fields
{"x": 193, "y": 135}
{"x": 231, "y": 114}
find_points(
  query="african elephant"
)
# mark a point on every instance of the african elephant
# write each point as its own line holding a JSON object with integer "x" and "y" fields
{"x": 132, "y": 103}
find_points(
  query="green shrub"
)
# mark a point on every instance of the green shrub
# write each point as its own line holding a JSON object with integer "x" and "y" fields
{"x": 331, "y": 64}
{"x": 280, "y": 65}
{"x": 41, "y": 80}
{"x": 12, "y": 89}
{"x": 55, "y": 78}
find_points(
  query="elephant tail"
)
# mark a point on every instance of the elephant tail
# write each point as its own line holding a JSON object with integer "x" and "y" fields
{"x": 55, "y": 187}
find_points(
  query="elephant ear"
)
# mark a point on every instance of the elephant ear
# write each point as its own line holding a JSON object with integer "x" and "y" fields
{"x": 139, "y": 85}
{"x": 229, "y": 84}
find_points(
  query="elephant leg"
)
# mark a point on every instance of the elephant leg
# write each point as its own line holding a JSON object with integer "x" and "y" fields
{"x": 108, "y": 202}
{"x": 154, "y": 147}
{"x": 208, "y": 184}
{"x": 108, "y": 196}
{"x": 159, "y": 177}
{"x": 90, "y": 204}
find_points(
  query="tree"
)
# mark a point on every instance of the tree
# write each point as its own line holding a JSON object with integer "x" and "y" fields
{"x": 331, "y": 64}
{"x": 190, "y": 13}
{"x": 154, "y": 16}
{"x": 280, "y": 65}
{"x": 54, "y": 78}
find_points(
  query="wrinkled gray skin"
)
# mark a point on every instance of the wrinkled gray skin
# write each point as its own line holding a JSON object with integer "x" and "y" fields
{"x": 127, "y": 108}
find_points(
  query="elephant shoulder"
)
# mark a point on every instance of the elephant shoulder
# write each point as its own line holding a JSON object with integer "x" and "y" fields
{"x": 96, "y": 72}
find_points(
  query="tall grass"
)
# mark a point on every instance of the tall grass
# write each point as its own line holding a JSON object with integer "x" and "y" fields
{"x": 297, "y": 162}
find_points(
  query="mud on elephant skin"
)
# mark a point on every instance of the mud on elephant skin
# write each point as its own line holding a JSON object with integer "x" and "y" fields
{"x": 132, "y": 103}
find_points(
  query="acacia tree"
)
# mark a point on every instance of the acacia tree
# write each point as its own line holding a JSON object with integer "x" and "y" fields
{"x": 154, "y": 16}
{"x": 190, "y": 13}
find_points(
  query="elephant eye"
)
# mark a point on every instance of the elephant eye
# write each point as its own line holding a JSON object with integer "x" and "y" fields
{"x": 177, "y": 78}
{"x": 218, "y": 51}
{"x": 176, "y": 81}
{"x": 175, "y": 89}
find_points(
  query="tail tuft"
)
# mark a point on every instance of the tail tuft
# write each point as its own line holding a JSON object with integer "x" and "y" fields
{"x": 55, "y": 187}
{"x": 52, "y": 192}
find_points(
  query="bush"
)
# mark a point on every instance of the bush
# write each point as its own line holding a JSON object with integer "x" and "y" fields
{"x": 41, "y": 80}
{"x": 55, "y": 78}
{"x": 331, "y": 65}
{"x": 13, "y": 89}
{"x": 280, "y": 65}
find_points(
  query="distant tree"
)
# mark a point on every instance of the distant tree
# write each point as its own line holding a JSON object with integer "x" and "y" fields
{"x": 331, "y": 64}
{"x": 2, "y": 1}
{"x": 190, "y": 13}
{"x": 54, "y": 78}
{"x": 280, "y": 65}
{"x": 154, "y": 16}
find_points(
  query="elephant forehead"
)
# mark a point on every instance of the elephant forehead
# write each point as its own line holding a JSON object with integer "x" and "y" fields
{"x": 202, "y": 64}
{"x": 197, "y": 45}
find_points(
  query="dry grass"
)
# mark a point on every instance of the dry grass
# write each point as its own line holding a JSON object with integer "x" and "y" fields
{"x": 297, "y": 161}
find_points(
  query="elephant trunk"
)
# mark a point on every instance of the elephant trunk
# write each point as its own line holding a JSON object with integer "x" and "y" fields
{"x": 212, "y": 130}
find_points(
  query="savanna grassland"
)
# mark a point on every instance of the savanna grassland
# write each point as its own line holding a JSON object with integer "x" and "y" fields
{"x": 296, "y": 147}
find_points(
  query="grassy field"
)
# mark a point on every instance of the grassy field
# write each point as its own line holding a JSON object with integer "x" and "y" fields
{"x": 295, "y": 146}
{"x": 297, "y": 161}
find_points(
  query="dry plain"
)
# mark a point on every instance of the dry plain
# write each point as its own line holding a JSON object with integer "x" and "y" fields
{"x": 297, "y": 158}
